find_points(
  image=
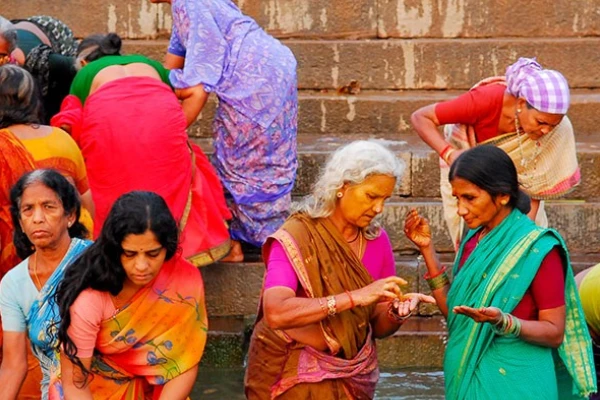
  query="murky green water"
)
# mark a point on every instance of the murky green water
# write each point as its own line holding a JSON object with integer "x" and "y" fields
{"x": 393, "y": 385}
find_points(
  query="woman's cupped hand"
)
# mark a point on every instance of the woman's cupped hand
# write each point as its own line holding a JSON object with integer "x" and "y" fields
{"x": 481, "y": 314}
{"x": 407, "y": 303}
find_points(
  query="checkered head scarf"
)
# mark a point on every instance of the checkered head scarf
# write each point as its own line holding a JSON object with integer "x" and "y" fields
{"x": 545, "y": 89}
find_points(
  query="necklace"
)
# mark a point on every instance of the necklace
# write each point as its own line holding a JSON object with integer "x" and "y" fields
{"x": 538, "y": 148}
{"x": 35, "y": 275}
{"x": 356, "y": 237}
{"x": 360, "y": 242}
{"x": 482, "y": 234}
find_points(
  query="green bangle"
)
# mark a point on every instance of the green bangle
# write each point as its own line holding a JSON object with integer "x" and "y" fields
{"x": 438, "y": 282}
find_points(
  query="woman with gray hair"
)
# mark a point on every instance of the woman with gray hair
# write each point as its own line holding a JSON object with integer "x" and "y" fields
{"x": 45, "y": 46}
{"x": 330, "y": 287}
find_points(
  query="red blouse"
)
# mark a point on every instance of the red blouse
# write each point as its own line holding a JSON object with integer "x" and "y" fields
{"x": 547, "y": 289}
{"x": 480, "y": 108}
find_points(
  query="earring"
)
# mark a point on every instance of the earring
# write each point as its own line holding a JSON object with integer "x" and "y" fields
{"x": 339, "y": 195}
{"x": 69, "y": 224}
{"x": 503, "y": 202}
{"x": 518, "y": 111}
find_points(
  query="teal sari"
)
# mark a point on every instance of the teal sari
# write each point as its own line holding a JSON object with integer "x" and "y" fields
{"x": 44, "y": 313}
{"x": 479, "y": 364}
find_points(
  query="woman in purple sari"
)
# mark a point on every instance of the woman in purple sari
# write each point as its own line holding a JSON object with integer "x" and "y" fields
{"x": 216, "y": 48}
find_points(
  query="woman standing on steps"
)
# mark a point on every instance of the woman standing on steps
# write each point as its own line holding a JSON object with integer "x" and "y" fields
{"x": 330, "y": 287}
{"x": 131, "y": 129}
{"x": 516, "y": 329}
{"x": 216, "y": 48}
{"x": 48, "y": 236}
{"x": 133, "y": 318}
{"x": 522, "y": 113}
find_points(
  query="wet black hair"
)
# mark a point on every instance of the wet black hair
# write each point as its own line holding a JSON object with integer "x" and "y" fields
{"x": 105, "y": 45}
{"x": 491, "y": 169}
{"x": 100, "y": 268}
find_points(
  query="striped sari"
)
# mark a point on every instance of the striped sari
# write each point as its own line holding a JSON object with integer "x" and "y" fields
{"x": 478, "y": 363}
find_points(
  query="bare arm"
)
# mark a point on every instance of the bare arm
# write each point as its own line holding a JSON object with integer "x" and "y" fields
{"x": 426, "y": 124}
{"x": 72, "y": 379}
{"x": 416, "y": 229}
{"x": 180, "y": 387}
{"x": 87, "y": 202}
{"x": 173, "y": 62}
{"x": 547, "y": 331}
{"x": 193, "y": 100}
{"x": 535, "y": 206}
{"x": 14, "y": 364}
{"x": 283, "y": 310}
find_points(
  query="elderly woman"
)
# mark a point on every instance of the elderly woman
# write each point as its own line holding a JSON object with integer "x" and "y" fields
{"x": 523, "y": 114}
{"x": 45, "y": 208}
{"x": 132, "y": 310}
{"x": 513, "y": 308}
{"x": 215, "y": 48}
{"x": 44, "y": 46}
{"x": 49, "y": 147}
{"x": 128, "y": 122}
{"x": 330, "y": 288}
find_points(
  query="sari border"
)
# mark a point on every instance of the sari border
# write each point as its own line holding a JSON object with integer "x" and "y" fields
{"x": 210, "y": 256}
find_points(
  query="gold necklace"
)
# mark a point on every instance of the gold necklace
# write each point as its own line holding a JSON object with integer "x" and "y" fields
{"x": 35, "y": 275}
{"x": 360, "y": 242}
{"x": 482, "y": 234}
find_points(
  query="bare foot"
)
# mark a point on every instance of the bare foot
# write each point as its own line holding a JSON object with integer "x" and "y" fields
{"x": 235, "y": 255}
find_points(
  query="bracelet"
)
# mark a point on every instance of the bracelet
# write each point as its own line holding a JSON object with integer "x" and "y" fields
{"x": 331, "y": 306}
{"x": 509, "y": 325}
{"x": 351, "y": 299}
{"x": 323, "y": 308}
{"x": 428, "y": 276}
{"x": 438, "y": 282}
{"x": 444, "y": 150}
{"x": 394, "y": 317}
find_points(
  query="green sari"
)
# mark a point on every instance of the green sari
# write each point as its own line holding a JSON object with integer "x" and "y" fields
{"x": 482, "y": 365}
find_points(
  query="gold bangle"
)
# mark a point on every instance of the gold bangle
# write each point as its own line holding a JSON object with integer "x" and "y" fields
{"x": 438, "y": 282}
{"x": 331, "y": 306}
{"x": 323, "y": 307}
{"x": 447, "y": 155}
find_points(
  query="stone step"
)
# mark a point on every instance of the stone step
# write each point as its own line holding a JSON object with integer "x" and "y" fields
{"x": 347, "y": 19}
{"x": 421, "y": 179}
{"x": 233, "y": 290}
{"x": 425, "y": 63}
{"x": 420, "y": 342}
{"x": 388, "y": 112}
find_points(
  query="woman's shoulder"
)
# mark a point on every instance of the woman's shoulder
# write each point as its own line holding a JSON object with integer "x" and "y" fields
{"x": 17, "y": 275}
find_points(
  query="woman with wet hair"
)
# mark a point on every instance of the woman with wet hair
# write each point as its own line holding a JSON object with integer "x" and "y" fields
{"x": 133, "y": 127}
{"x": 133, "y": 320}
{"x": 515, "y": 324}
{"x": 48, "y": 236}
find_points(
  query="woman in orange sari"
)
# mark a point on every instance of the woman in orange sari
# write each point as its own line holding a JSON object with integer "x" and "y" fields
{"x": 133, "y": 320}
{"x": 330, "y": 288}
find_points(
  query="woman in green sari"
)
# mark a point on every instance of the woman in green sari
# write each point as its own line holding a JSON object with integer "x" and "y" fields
{"x": 515, "y": 324}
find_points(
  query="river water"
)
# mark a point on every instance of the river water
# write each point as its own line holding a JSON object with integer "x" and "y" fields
{"x": 404, "y": 384}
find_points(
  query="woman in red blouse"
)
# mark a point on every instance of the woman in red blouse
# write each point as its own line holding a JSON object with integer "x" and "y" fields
{"x": 523, "y": 114}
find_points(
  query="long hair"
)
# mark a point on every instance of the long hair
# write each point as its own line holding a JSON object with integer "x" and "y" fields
{"x": 20, "y": 101}
{"x": 64, "y": 190}
{"x": 100, "y": 268}
{"x": 97, "y": 46}
{"x": 492, "y": 170}
{"x": 351, "y": 164}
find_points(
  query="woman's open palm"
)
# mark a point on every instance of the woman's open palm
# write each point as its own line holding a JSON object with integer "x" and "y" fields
{"x": 416, "y": 229}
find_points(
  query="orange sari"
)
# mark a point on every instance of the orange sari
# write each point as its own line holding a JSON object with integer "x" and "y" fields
{"x": 279, "y": 367}
{"x": 158, "y": 336}
{"x": 15, "y": 161}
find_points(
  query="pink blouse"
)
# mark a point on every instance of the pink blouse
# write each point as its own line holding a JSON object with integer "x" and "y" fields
{"x": 378, "y": 259}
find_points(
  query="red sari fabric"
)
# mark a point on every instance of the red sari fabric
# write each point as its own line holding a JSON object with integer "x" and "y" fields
{"x": 132, "y": 133}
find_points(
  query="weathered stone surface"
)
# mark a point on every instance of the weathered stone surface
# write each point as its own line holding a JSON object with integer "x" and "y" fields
{"x": 347, "y": 19}
{"x": 314, "y": 18}
{"x": 437, "y": 63}
{"x": 419, "y": 343}
{"x": 128, "y": 18}
{"x": 232, "y": 289}
{"x": 479, "y": 18}
{"x": 427, "y": 63}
